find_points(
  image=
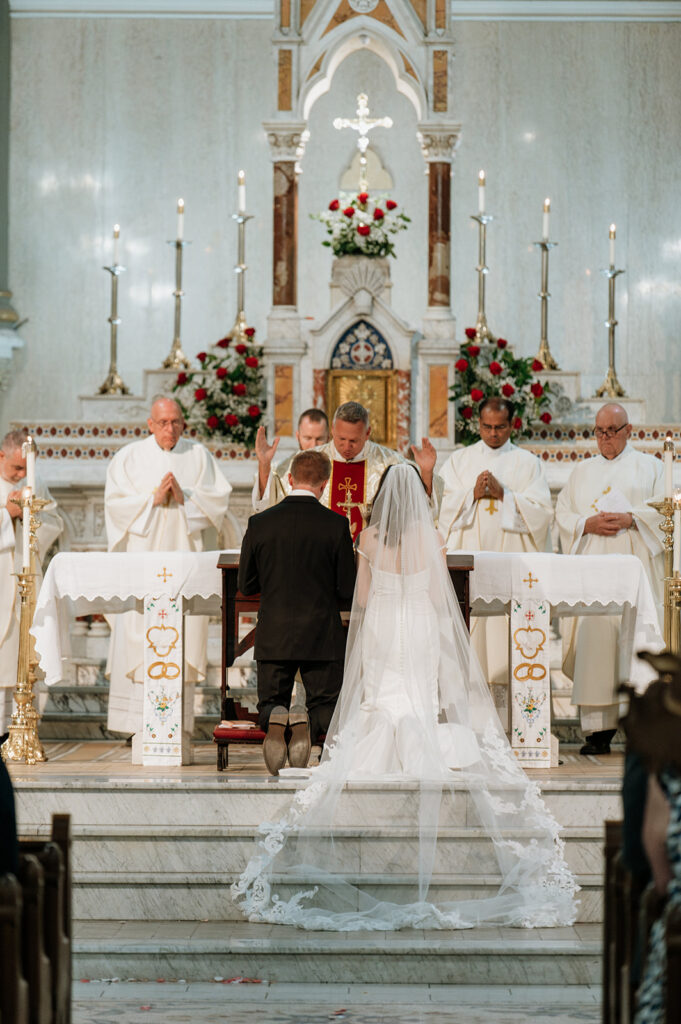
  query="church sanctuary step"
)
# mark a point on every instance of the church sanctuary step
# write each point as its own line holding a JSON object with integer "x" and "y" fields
{"x": 204, "y": 951}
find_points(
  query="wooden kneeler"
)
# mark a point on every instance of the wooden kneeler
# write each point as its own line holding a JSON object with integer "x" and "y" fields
{"x": 13, "y": 985}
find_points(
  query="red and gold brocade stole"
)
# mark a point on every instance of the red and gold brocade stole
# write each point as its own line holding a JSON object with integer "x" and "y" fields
{"x": 347, "y": 490}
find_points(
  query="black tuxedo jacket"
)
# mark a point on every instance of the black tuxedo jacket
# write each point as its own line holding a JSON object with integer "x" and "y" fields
{"x": 298, "y": 555}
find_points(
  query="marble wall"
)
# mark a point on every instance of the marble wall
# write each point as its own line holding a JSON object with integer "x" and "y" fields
{"x": 113, "y": 119}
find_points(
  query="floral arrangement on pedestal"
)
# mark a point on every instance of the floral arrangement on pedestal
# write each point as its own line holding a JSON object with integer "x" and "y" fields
{"x": 223, "y": 398}
{"x": 492, "y": 369}
{"x": 363, "y": 227}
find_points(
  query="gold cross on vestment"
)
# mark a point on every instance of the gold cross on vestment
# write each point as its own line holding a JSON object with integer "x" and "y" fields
{"x": 530, "y": 580}
{"x": 492, "y": 507}
{"x": 164, "y": 574}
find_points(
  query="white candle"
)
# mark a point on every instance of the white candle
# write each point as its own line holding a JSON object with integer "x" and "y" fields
{"x": 545, "y": 220}
{"x": 612, "y": 245}
{"x": 241, "y": 192}
{"x": 30, "y": 465}
{"x": 26, "y": 531}
{"x": 180, "y": 219}
{"x": 116, "y": 236}
{"x": 481, "y": 192}
{"x": 668, "y": 466}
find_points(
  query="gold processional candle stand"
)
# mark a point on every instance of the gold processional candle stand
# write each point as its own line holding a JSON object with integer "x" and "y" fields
{"x": 672, "y": 577}
{"x": 482, "y": 331}
{"x": 238, "y": 331}
{"x": 23, "y": 743}
{"x": 113, "y": 385}
{"x": 176, "y": 359}
{"x": 544, "y": 354}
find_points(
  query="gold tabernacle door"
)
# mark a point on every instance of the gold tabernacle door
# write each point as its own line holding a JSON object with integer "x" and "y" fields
{"x": 376, "y": 390}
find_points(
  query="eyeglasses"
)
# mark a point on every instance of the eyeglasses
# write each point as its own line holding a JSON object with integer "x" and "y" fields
{"x": 609, "y": 433}
{"x": 175, "y": 424}
{"x": 496, "y": 428}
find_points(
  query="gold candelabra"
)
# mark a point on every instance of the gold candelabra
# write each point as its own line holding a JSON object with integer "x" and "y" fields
{"x": 482, "y": 331}
{"x": 113, "y": 385}
{"x": 544, "y": 354}
{"x": 176, "y": 359}
{"x": 672, "y": 579}
{"x": 611, "y": 387}
{"x": 238, "y": 331}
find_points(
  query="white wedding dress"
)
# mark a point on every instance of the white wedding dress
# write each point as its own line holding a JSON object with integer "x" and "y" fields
{"x": 415, "y": 739}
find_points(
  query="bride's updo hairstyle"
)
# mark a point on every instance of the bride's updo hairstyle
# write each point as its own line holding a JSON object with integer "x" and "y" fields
{"x": 311, "y": 468}
{"x": 384, "y": 475}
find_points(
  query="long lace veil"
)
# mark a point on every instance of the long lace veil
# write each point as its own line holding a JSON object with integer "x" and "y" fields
{"x": 418, "y": 815}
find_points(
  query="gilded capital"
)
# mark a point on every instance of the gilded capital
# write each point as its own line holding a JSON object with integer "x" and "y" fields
{"x": 439, "y": 141}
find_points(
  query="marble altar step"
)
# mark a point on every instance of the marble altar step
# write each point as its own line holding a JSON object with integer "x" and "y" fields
{"x": 207, "y": 951}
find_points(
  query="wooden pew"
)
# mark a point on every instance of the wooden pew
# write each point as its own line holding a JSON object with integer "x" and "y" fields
{"x": 36, "y": 965}
{"x": 13, "y": 985}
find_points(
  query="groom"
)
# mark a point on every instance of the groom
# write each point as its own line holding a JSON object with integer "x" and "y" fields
{"x": 298, "y": 555}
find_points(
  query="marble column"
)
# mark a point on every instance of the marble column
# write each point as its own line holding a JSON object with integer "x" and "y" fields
{"x": 285, "y": 234}
{"x": 439, "y": 233}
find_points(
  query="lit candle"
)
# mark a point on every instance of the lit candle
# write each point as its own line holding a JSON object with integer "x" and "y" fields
{"x": 26, "y": 529}
{"x": 668, "y": 448}
{"x": 545, "y": 220}
{"x": 116, "y": 236}
{"x": 612, "y": 245}
{"x": 241, "y": 192}
{"x": 481, "y": 192}
{"x": 180, "y": 219}
{"x": 30, "y": 464}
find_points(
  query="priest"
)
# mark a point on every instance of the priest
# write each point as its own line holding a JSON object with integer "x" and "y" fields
{"x": 12, "y": 480}
{"x": 268, "y": 487}
{"x": 603, "y": 510}
{"x": 495, "y": 499}
{"x": 357, "y": 464}
{"x": 163, "y": 493}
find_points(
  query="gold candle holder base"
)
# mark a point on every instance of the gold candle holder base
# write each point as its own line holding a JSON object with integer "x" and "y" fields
{"x": 238, "y": 331}
{"x": 672, "y": 614}
{"x": 23, "y": 743}
{"x": 666, "y": 510}
{"x": 611, "y": 387}
{"x": 113, "y": 385}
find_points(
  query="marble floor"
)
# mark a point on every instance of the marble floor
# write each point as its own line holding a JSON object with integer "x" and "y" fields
{"x": 239, "y": 1003}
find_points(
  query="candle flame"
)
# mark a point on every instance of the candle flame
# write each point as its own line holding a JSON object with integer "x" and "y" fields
{"x": 481, "y": 177}
{"x": 180, "y": 205}
{"x": 612, "y": 231}
{"x": 242, "y": 178}
{"x": 26, "y": 493}
{"x": 547, "y": 205}
{"x": 117, "y": 231}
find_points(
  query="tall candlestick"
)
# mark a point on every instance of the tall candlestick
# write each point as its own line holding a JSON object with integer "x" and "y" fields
{"x": 545, "y": 220}
{"x": 30, "y": 463}
{"x": 116, "y": 236}
{"x": 180, "y": 219}
{"x": 26, "y": 529}
{"x": 668, "y": 449}
{"x": 241, "y": 193}
{"x": 677, "y": 532}
{"x": 481, "y": 192}
{"x": 612, "y": 245}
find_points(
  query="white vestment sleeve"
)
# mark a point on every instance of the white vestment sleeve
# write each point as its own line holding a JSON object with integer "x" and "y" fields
{"x": 511, "y": 519}
{"x": 141, "y": 524}
{"x": 261, "y": 501}
{"x": 6, "y": 531}
{"x": 194, "y": 517}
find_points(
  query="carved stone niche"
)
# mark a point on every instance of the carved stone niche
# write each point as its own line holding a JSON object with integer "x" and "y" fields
{"x": 361, "y": 279}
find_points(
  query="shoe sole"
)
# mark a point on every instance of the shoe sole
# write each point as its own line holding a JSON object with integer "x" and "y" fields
{"x": 299, "y": 745}
{"x": 274, "y": 745}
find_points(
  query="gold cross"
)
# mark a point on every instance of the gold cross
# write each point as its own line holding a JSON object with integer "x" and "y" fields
{"x": 530, "y": 580}
{"x": 491, "y": 508}
{"x": 347, "y": 486}
{"x": 165, "y": 575}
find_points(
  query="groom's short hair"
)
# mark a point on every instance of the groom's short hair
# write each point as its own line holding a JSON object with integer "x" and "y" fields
{"x": 311, "y": 467}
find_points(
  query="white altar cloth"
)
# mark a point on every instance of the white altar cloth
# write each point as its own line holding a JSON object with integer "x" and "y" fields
{"x": 84, "y": 583}
{"x": 577, "y": 585}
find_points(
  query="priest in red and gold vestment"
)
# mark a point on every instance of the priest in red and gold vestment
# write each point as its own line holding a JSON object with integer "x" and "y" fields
{"x": 357, "y": 464}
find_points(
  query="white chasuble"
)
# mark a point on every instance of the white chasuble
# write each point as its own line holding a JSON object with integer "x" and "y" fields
{"x": 520, "y": 522}
{"x": 11, "y": 541}
{"x": 133, "y": 523}
{"x": 623, "y": 484}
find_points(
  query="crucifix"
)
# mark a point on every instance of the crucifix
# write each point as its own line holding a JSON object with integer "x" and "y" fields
{"x": 362, "y": 124}
{"x": 348, "y": 505}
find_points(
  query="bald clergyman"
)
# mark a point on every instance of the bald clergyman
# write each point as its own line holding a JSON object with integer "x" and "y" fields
{"x": 603, "y": 510}
{"x": 162, "y": 494}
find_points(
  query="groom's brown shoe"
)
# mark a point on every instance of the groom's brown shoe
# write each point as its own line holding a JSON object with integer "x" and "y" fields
{"x": 274, "y": 745}
{"x": 299, "y": 743}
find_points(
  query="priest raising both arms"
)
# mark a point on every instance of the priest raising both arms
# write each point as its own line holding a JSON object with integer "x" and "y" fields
{"x": 357, "y": 465}
{"x": 603, "y": 510}
{"x": 12, "y": 480}
{"x": 268, "y": 487}
{"x": 162, "y": 494}
{"x": 495, "y": 499}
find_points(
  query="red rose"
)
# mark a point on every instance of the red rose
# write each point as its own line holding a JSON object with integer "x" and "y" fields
{"x": 507, "y": 390}
{"x": 363, "y": 229}
{"x": 470, "y": 332}
{"x": 495, "y": 368}
{"x": 363, "y": 197}
{"x": 212, "y": 422}
{"x": 249, "y": 332}
{"x": 334, "y": 204}
{"x": 467, "y": 412}
{"x": 461, "y": 365}
{"x": 501, "y": 343}
{"x": 241, "y": 348}
{"x": 223, "y": 343}
{"x": 378, "y": 213}
{"x": 231, "y": 420}
{"x": 200, "y": 394}
{"x": 201, "y": 356}
{"x": 391, "y": 204}
{"x": 349, "y": 211}
{"x": 537, "y": 366}
{"x": 254, "y": 411}
{"x": 537, "y": 389}
{"x": 221, "y": 372}
{"x": 545, "y": 417}
{"x": 477, "y": 394}
{"x": 517, "y": 423}
{"x": 238, "y": 389}
{"x": 182, "y": 378}
{"x": 473, "y": 350}
{"x": 252, "y": 361}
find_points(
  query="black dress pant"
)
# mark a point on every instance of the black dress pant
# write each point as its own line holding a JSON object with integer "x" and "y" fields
{"x": 322, "y": 681}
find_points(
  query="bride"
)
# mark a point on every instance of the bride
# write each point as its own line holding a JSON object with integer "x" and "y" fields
{"x": 414, "y": 733}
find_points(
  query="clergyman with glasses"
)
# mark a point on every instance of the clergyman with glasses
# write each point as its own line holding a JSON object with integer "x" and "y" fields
{"x": 603, "y": 510}
{"x": 495, "y": 499}
{"x": 163, "y": 493}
